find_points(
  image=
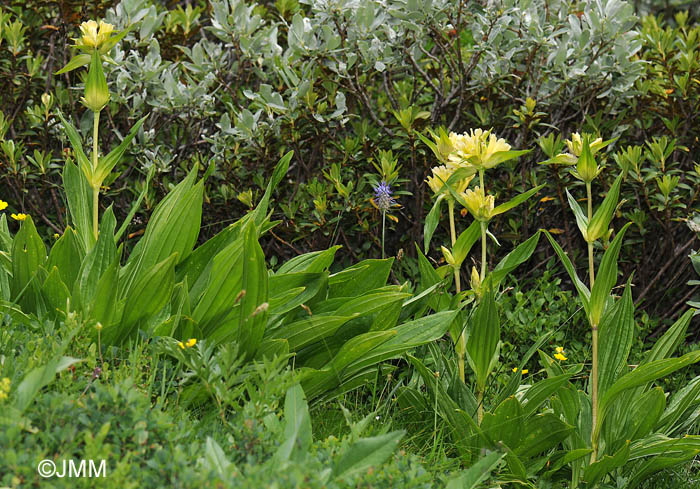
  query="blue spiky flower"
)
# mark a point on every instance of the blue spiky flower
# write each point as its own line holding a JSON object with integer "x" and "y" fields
{"x": 382, "y": 196}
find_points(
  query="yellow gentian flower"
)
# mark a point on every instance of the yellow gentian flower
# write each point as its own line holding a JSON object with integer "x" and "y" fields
{"x": 477, "y": 148}
{"x": 479, "y": 205}
{"x": 440, "y": 176}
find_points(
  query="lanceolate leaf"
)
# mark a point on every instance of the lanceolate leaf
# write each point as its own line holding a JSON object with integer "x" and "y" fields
{"x": 583, "y": 292}
{"x": 616, "y": 333}
{"x": 515, "y": 201}
{"x": 606, "y": 279}
{"x": 107, "y": 163}
{"x": 602, "y": 216}
{"x": 431, "y": 222}
{"x": 513, "y": 259}
{"x": 483, "y": 338}
{"x": 581, "y": 219}
{"x": 640, "y": 376}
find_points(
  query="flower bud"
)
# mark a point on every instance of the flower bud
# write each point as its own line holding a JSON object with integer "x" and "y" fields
{"x": 448, "y": 256}
{"x": 96, "y": 91}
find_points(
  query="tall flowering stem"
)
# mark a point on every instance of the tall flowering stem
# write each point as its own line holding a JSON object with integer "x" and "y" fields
{"x": 594, "y": 330}
{"x": 384, "y": 200}
{"x": 95, "y": 188}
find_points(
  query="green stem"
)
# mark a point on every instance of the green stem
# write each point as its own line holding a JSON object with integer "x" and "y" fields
{"x": 96, "y": 187}
{"x": 383, "y": 226}
{"x": 461, "y": 346}
{"x": 484, "y": 226}
{"x": 480, "y": 405}
{"x": 453, "y": 239}
{"x": 481, "y": 181}
{"x": 594, "y": 335}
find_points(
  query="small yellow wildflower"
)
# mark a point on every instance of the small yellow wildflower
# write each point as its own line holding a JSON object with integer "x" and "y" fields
{"x": 181, "y": 345}
{"x": 56, "y": 235}
{"x": 18, "y": 217}
{"x": 559, "y": 349}
{"x": 191, "y": 342}
{"x": 560, "y": 357}
{"x": 523, "y": 371}
{"x": 3, "y": 205}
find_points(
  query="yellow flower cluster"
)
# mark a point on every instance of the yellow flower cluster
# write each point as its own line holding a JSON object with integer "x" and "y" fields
{"x": 4, "y": 388}
{"x": 474, "y": 151}
{"x": 477, "y": 148}
{"x": 479, "y": 204}
{"x": 188, "y": 344}
{"x": 559, "y": 354}
{"x": 523, "y": 371}
{"x": 94, "y": 34}
{"x": 18, "y": 217}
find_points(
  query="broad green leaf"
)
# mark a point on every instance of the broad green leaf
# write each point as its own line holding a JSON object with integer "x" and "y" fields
{"x": 359, "y": 278}
{"x": 77, "y": 61}
{"x": 150, "y": 293}
{"x": 606, "y": 278}
{"x": 407, "y": 337}
{"x": 366, "y": 453}
{"x": 297, "y": 430}
{"x": 278, "y": 174}
{"x": 254, "y": 306}
{"x": 215, "y": 459}
{"x": 602, "y": 216}
{"x": 107, "y": 163}
{"x": 657, "y": 464}
{"x": 616, "y": 334}
{"x": 173, "y": 228}
{"x": 83, "y": 162}
{"x": 540, "y": 392}
{"x": 640, "y": 376}
{"x": 513, "y": 259}
{"x": 583, "y": 292}
{"x": 678, "y": 404}
{"x": 542, "y": 432}
{"x": 289, "y": 290}
{"x": 197, "y": 266}
{"x": 40, "y": 377}
{"x": 516, "y": 201}
{"x": 645, "y": 414}
{"x": 103, "y": 307}
{"x": 671, "y": 339}
{"x": 595, "y": 472}
{"x": 309, "y": 330}
{"x": 28, "y": 255}
{"x": 67, "y": 255}
{"x": 314, "y": 262}
{"x": 483, "y": 338}
{"x": 100, "y": 257}
{"x": 465, "y": 241}
{"x": 431, "y": 222}
{"x": 79, "y": 197}
{"x": 55, "y": 292}
{"x": 505, "y": 424}
{"x": 581, "y": 219}
{"x": 477, "y": 473}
